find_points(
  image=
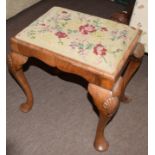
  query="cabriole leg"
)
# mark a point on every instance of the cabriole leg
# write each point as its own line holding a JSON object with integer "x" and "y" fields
{"x": 15, "y": 63}
{"x": 107, "y": 104}
{"x": 133, "y": 65}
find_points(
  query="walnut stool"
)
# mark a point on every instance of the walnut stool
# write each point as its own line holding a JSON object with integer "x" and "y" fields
{"x": 103, "y": 52}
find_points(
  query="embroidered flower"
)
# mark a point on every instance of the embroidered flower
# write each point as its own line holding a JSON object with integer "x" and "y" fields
{"x": 64, "y": 11}
{"x": 43, "y": 24}
{"x": 85, "y": 29}
{"x": 114, "y": 32}
{"x": 64, "y": 15}
{"x": 100, "y": 50}
{"x": 104, "y": 29}
{"x": 61, "y": 34}
{"x": 123, "y": 35}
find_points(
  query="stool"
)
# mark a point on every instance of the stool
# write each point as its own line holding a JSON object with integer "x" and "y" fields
{"x": 103, "y": 52}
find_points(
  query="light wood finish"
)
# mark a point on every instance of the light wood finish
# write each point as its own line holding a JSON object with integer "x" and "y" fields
{"x": 106, "y": 90}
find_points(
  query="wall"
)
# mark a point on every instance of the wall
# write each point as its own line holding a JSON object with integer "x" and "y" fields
{"x": 15, "y": 6}
{"x": 139, "y": 20}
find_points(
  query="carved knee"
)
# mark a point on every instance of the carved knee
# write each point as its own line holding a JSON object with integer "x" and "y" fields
{"x": 139, "y": 51}
{"x": 110, "y": 106}
{"x": 16, "y": 61}
{"x": 104, "y": 99}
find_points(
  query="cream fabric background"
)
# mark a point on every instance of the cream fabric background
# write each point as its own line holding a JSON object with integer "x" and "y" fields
{"x": 15, "y": 6}
{"x": 139, "y": 19}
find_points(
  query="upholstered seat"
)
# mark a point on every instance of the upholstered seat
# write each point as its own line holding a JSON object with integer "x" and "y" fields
{"x": 91, "y": 40}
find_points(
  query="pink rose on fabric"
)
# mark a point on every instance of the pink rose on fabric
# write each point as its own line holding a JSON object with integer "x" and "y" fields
{"x": 85, "y": 29}
{"x": 104, "y": 29}
{"x": 61, "y": 34}
{"x": 100, "y": 50}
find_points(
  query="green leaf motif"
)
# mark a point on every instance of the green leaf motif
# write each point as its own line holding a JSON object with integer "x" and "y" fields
{"x": 104, "y": 59}
{"x": 113, "y": 38}
{"x": 81, "y": 46}
{"x": 64, "y": 24}
{"x": 33, "y": 37}
{"x": 69, "y": 31}
{"x": 75, "y": 31}
{"x": 124, "y": 42}
{"x": 96, "y": 22}
{"x": 89, "y": 46}
{"x": 60, "y": 42}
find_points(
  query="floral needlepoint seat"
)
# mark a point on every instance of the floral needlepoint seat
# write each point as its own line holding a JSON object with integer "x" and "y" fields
{"x": 94, "y": 41}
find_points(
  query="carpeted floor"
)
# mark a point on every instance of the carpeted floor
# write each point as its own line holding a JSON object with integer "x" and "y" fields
{"x": 63, "y": 120}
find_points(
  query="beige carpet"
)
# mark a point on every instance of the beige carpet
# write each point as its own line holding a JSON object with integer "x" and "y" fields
{"x": 63, "y": 120}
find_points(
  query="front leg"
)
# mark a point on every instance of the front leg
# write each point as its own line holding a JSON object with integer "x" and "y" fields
{"x": 107, "y": 102}
{"x": 15, "y": 63}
